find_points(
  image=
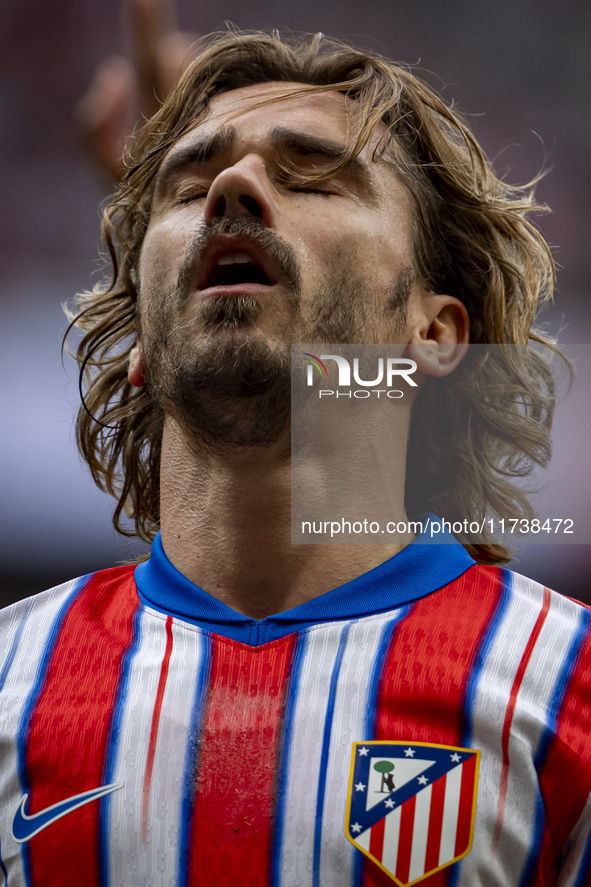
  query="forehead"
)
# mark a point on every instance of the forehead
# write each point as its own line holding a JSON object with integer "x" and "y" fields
{"x": 256, "y": 109}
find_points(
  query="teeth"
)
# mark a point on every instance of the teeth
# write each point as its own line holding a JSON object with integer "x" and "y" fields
{"x": 235, "y": 259}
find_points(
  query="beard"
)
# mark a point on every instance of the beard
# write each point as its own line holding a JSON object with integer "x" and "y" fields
{"x": 227, "y": 394}
{"x": 217, "y": 374}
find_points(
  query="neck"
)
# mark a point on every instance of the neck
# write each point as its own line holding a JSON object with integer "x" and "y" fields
{"x": 226, "y": 525}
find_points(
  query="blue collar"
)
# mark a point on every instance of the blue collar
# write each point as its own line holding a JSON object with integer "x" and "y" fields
{"x": 418, "y": 570}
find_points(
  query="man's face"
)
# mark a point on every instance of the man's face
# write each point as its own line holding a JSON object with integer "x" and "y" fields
{"x": 241, "y": 260}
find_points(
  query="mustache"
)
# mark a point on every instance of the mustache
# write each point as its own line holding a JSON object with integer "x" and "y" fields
{"x": 282, "y": 254}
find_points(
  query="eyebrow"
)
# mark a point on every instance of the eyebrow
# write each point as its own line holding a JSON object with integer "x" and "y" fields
{"x": 204, "y": 150}
{"x": 305, "y": 145}
{"x": 210, "y": 147}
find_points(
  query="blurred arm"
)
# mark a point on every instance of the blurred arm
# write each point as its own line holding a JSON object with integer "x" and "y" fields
{"x": 124, "y": 92}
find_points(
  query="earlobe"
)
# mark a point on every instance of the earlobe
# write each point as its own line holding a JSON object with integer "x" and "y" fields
{"x": 442, "y": 342}
{"x": 135, "y": 373}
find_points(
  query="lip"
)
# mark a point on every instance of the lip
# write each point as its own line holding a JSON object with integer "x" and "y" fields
{"x": 227, "y": 244}
{"x": 233, "y": 290}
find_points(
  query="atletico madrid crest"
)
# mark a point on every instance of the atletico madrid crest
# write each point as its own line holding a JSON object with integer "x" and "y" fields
{"x": 411, "y": 806}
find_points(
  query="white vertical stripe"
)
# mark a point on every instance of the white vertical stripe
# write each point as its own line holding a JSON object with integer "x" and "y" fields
{"x": 490, "y": 704}
{"x": 529, "y": 720}
{"x": 307, "y": 719}
{"x": 391, "y": 838}
{"x": 451, "y": 806}
{"x": 153, "y": 862}
{"x": 186, "y": 661}
{"x": 336, "y": 859}
{"x": 125, "y": 850}
{"x": 536, "y": 695}
{"x": 20, "y": 680}
{"x": 10, "y": 619}
{"x": 420, "y": 834}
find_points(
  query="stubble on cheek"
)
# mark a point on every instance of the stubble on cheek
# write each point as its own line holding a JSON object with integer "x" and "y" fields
{"x": 348, "y": 309}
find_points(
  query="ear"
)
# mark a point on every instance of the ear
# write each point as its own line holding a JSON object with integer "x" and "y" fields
{"x": 440, "y": 336}
{"x": 135, "y": 373}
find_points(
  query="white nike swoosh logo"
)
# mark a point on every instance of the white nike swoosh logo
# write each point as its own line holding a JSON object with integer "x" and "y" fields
{"x": 24, "y": 827}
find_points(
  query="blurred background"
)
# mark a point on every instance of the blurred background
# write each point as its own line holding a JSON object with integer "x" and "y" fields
{"x": 521, "y": 70}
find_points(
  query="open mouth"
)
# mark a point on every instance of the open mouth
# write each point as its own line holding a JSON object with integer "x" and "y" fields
{"x": 236, "y": 262}
{"x": 235, "y": 269}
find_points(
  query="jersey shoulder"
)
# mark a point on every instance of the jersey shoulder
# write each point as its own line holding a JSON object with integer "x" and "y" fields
{"x": 522, "y": 586}
{"x": 42, "y": 613}
{"x": 109, "y": 576}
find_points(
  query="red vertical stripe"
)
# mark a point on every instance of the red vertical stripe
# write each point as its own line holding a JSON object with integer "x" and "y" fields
{"x": 527, "y": 653}
{"x": 407, "y": 818}
{"x": 435, "y": 824}
{"x": 154, "y": 727}
{"x": 69, "y": 728}
{"x": 430, "y": 660}
{"x": 231, "y": 828}
{"x": 466, "y": 802}
{"x": 376, "y": 839}
{"x": 428, "y": 666}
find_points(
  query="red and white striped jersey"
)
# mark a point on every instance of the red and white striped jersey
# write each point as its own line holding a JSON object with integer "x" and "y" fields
{"x": 428, "y": 722}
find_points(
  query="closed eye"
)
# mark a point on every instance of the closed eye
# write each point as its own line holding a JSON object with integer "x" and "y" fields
{"x": 188, "y": 196}
{"x": 321, "y": 191}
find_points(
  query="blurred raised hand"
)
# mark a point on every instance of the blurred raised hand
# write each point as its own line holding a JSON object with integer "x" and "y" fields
{"x": 126, "y": 91}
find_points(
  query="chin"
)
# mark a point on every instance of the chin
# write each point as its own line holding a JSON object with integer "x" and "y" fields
{"x": 231, "y": 312}
{"x": 228, "y": 391}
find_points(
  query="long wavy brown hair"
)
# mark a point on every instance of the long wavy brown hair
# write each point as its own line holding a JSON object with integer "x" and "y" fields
{"x": 472, "y": 239}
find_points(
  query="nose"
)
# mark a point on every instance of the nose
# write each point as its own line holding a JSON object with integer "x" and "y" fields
{"x": 243, "y": 189}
